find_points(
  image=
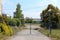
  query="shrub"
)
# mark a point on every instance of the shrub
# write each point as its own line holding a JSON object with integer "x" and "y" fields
{"x": 6, "y": 29}
{"x": 11, "y": 31}
{"x": 12, "y": 22}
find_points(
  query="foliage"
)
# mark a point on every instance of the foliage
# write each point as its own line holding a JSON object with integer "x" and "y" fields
{"x": 45, "y": 17}
{"x": 28, "y": 20}
{"x": 1, "y": 19}
{"x": 18, "y": 14}
{"x": 18, "y": 22}
{"x": 58, "y": 21}
{"x": 12, "y": 22}
{"x": 6, "y": 29}
{"x": 5, "y": 19}
{"x": 6, "y": 22}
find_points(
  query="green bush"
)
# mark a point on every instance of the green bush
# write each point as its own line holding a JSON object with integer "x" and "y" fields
{"x": 6, "y": 29}
{"x": 12, "y": 22}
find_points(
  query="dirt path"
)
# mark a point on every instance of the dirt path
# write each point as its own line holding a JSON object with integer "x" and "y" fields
{"x": 26, "y": 35}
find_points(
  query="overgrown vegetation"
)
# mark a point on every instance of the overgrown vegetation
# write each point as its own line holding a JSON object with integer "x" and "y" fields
{"x": 52, "y": 15}
{"x": 6, "y": 29}
{"x": 18, "y": 15}
{"x": 51, "y": 20}
{"x": 9, "y": 26}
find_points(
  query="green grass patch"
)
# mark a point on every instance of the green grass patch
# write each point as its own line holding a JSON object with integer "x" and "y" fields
{"x": 55, "y": 33}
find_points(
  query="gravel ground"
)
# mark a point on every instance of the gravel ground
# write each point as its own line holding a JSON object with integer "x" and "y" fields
{"x": 26, "y": 34}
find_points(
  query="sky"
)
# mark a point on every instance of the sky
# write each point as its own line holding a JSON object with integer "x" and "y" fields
{"x": 30, "y": 8}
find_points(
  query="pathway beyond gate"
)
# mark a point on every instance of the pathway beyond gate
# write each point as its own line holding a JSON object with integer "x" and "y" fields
{"x": 26, "y": 35}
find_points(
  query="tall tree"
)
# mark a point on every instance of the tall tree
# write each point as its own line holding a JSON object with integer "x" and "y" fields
{"x": 54, "y": 17}
{"x": 18, "y": 13}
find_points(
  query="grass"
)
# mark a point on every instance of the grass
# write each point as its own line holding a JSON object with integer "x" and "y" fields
{"x": 55, "y": 35}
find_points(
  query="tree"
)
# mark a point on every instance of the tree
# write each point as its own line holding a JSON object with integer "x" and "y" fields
{"x": 54, "y": 17}
{"x": 5, "y": 19}
{"x": 13, "y": 22}
{"x": 28, "y": 20}
{"x": 18, "y": 14}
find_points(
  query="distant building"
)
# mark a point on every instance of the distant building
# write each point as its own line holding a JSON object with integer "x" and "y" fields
{"x": 0, "y": 7}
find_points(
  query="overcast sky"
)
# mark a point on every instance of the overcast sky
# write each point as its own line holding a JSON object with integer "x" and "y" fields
{"x": 30, "y": 8}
